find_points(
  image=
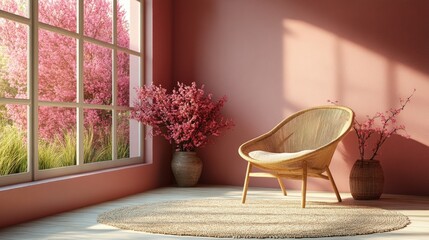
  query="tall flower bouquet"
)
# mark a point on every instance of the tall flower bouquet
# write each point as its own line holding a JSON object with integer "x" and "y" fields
{"x": 186, "y": 117}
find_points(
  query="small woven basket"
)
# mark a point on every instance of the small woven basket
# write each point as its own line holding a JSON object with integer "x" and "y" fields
{"x": 366, "y": 180}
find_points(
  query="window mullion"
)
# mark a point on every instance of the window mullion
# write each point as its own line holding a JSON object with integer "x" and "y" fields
{"x": 80, "y": 95}
{"x": 145, "y": 70}
{"x": 33, "y": 74}
{"x": 16, "y": 18}
{"x": 114, "y": 81}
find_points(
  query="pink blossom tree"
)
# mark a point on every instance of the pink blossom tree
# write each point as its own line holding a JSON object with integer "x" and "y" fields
{"x": 57, "y": 64}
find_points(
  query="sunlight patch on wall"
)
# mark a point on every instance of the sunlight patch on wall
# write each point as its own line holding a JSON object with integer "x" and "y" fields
{"x": 318, "y": 65}
{"x": 416, "y": 114}
{"x": 308, "y": 62}
{"x": 361, "y": 76}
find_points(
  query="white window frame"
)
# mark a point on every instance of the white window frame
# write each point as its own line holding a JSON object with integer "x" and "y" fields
{"x": 32, "y": 103}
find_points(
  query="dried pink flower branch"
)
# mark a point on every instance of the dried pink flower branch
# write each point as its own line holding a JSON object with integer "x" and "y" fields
{"x": 381, "y": 126}
{"x": 185, "y": 117}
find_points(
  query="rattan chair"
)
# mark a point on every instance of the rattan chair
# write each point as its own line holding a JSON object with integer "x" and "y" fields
{"x": 300, "y": 146}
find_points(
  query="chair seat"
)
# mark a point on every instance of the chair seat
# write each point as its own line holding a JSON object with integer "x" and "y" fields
{"x": 273, "y": 157}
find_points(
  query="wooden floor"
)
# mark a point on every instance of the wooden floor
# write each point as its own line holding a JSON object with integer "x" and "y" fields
{"x": 82, "y": 224}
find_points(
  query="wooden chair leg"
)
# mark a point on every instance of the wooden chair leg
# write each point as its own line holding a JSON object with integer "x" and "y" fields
{"x": 304, "y": 184}
{"x": 246, "y": 182}
{"x": 282, "y": 186}
{"x": 331, "y": 179}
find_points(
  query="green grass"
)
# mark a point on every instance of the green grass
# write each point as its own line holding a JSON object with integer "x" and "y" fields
{"x": 13, "y": 150}
{"x": 58, "y": 152}
{"x": 96, "y": 150}
{"x": 103, "y": 148}
{"x": 123, "y": 148}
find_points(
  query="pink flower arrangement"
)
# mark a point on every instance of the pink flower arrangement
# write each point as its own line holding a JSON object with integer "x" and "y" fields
{"x": 381, "y": 126}
{"x": 185, "y": 117}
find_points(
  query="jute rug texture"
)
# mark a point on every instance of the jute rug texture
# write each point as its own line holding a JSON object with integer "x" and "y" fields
{"x": 228, "y": 218}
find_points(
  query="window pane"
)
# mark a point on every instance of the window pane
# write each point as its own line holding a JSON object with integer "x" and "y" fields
{"x": 98, "y": 135}
{"x": 98, "y": 19}
{"x": 123, "y": 72}
{"x": 128, "y": 136}
{"x": 13, "y": 139}
{"x": 97, "y": 74}
{"x": 128, "y": 24}
{"x": 124, "y": 136}
{"x": 57, "y": 137}
{"x": 13, "y": 59}
{"x": 128, "y": 77}
{"x": 18, "y": 7}
{"x": 57, "y": 67}
{"x": 58, "y": 13}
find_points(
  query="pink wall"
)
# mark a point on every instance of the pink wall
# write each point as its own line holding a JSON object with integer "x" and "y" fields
{"x": 25, "y": 202}
{"x": 274, "y": 57}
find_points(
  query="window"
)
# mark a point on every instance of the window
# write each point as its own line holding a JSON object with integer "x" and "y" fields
{"x": 67, "y": 72}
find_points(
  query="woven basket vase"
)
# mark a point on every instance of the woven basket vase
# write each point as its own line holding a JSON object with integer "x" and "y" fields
{"x": 366, "y": 180}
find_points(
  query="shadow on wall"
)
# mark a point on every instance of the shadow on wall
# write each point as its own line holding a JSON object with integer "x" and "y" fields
{"x": 275, "y": 57}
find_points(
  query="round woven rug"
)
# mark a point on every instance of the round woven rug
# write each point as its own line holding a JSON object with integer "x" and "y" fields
{"x": 255, "y": 219}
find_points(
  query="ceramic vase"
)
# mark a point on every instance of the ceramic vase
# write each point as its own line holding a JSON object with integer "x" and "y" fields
{"x": 186, "y": 167}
